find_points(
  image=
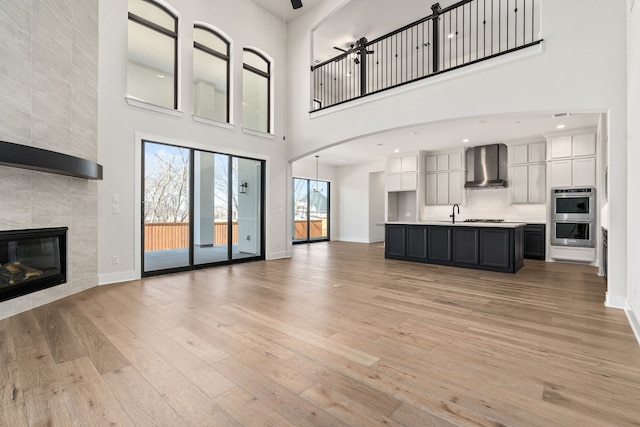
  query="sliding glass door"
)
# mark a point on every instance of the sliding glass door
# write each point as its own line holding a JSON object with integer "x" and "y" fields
{"x": 166, "y": 207}
{"x": 200, "y": 208}
{"x": 310, "y": 210}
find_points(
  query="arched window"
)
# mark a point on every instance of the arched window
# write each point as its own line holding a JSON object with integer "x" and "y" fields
{"x": 152, "y": 67}
{"x": 210, "y": 74}
{"x": 256, "y": 91}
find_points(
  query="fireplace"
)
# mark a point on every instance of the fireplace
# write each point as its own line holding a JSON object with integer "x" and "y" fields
{"x": 32, "y": 260}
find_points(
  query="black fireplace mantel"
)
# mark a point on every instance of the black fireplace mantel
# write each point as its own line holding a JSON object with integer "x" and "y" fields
{"x": 38, "y": 159}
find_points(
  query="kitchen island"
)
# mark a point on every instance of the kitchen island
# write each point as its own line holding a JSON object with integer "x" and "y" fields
{"x": 483, "y": 246}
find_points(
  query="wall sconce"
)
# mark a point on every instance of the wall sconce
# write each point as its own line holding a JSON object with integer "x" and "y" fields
{"x": 243, "y": 186}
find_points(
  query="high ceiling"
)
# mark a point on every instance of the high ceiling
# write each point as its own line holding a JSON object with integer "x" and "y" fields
{"x": 374, "y": 18}
{"x": 283, "y": 7}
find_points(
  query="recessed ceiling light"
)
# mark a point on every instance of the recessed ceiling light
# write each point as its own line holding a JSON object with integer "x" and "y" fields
{"x": 451, "y": 35}
{"x": 465, "y": 140}
{"x": 560, "y": 127}
{"x": 160, "y": 76}
{"x": 396, "y": 151}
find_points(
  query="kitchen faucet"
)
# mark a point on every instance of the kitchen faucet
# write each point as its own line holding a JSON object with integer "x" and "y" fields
{"x": 453, "y": 214}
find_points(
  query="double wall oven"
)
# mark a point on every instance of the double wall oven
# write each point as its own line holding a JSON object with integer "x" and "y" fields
{"x": 573, "y": 217}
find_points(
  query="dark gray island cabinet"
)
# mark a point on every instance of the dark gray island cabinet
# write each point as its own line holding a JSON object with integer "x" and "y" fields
{"x": 480, "y": 246}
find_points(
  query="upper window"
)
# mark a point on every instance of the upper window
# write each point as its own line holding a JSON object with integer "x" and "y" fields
{"x": 210, "y": 75}
{"x": 152, "y": 62}
{"x": 256, "y": 93}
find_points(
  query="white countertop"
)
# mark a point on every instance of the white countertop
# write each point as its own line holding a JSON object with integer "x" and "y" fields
{"x": 505, "y": 224}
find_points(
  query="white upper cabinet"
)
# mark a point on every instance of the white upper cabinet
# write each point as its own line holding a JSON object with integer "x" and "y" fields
{"x": 560, "y": 173}
{"x": 537, "y": 152}
{"x": 432, "y": 163}
{"x": 561, "y": 147}
{"x": 409, "y": 163}
{"x": 519, "y": 154}
{"x": 402, "y": 173}
{"x": 583, "y": 172}
{"x": 537, "y": 181}
{"x": 527, "y": 173}
{"x": 573, "y": 160}
{"x": 456, "y": 183}
{"x": 569, "y": 146}
{"x": 583, "y": 145}
{"x": 444, "y": 178}
{"x": 394, "y": 165}
{"x": 443, "y": 162}
{"x": 455, "y": 161}
{"x": 518, "y": 181}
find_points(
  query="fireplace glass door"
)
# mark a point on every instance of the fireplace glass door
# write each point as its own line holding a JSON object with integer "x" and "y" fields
{"x": 31, "y": 260}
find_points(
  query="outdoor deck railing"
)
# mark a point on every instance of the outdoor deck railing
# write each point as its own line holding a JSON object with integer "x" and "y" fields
{"x": 465, "y": 33}
{"x": 170, "y": 235}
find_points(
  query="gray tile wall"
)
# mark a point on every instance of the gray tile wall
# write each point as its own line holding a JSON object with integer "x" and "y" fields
{"x": 48, "y": 99}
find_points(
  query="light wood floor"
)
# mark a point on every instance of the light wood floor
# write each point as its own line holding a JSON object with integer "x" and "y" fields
{"x": 335, "y": 336}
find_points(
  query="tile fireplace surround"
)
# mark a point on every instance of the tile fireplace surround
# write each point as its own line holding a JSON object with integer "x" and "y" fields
{"x": 50, "y": 101}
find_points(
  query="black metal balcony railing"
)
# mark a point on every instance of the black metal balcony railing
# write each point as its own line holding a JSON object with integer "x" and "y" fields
{"x": 465, "y": 33}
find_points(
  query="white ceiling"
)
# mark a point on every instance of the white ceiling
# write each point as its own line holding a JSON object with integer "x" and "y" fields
{"x": 283, "y": 7}
{"x": 374, "y": 18}
{"x": 451, "y": 135}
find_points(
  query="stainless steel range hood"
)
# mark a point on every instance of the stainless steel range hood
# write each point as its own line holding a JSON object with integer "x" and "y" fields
{"x": 486, "y": 166}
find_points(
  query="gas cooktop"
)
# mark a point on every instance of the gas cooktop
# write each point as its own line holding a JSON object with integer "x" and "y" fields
{"x": 483, "y": 220}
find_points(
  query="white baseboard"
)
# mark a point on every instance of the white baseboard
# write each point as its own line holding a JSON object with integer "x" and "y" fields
{"x": 125, "y": 276}
{"x": 633, "y": 320}
{"x": 353, "y": 240}
{"x": 278, "y": 255}
{"x": 612, "y": 301}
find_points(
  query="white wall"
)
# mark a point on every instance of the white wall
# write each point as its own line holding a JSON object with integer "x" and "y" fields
{"x": 122, "y": 126}
{"x": 353, "y": 199}
{"x": 377, "y": 181}
{"x": 489, "y": 203}
{"x": 560, "y": 75}
{"x": 633, "y": 144}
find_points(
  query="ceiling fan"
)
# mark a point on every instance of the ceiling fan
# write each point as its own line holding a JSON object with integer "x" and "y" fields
{"x": 356, "y": 48}
{"x": 297, "y": 4}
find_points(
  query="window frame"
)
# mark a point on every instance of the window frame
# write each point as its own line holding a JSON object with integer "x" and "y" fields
{"x": 225, "y": 57}
{"x": 164, "y": 31}
{"x": 261, "y": 73}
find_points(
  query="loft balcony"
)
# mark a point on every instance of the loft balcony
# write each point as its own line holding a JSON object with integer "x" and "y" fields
{"x": 463, "y": 34}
